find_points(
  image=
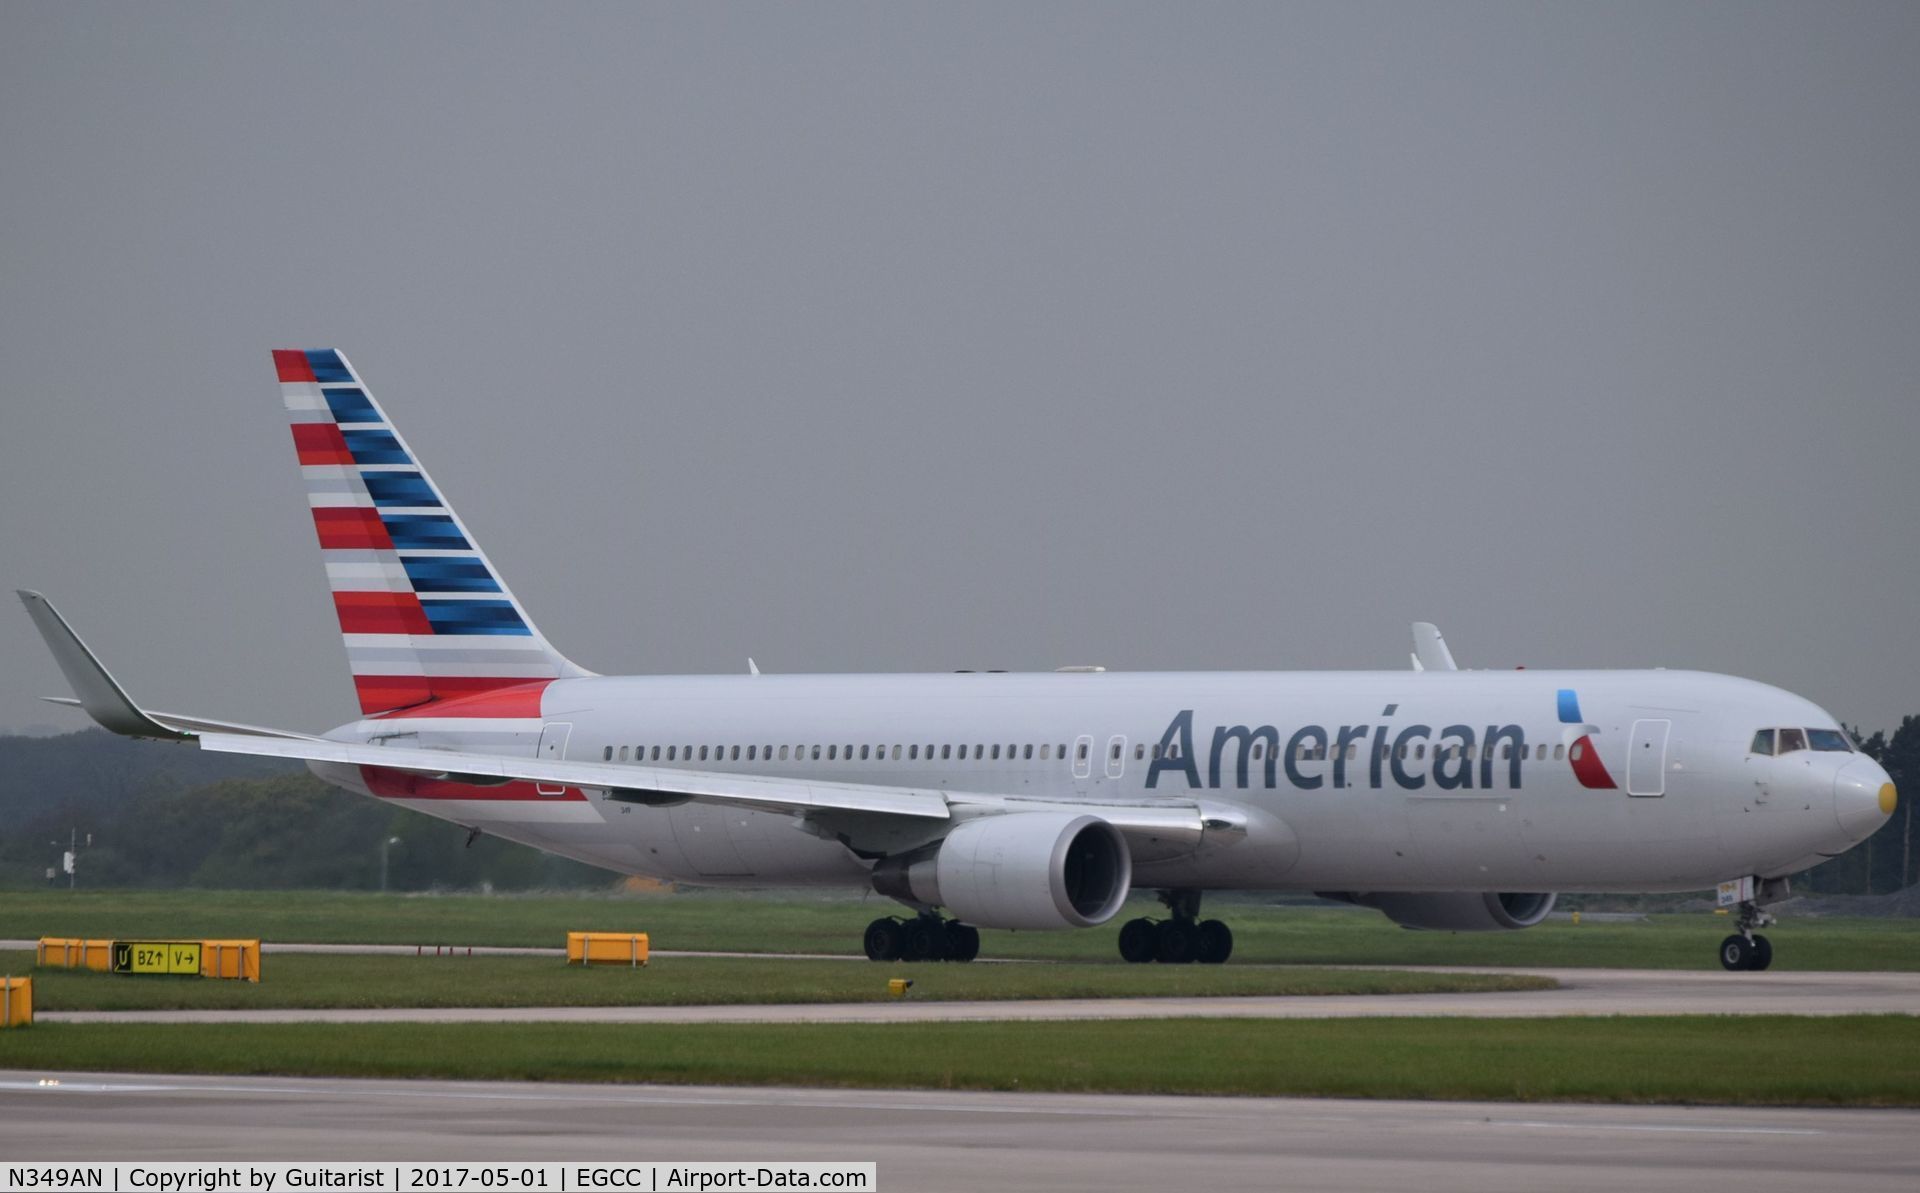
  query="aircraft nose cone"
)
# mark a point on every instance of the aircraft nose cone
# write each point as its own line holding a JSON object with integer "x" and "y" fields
{"x": 1863, "y": 798}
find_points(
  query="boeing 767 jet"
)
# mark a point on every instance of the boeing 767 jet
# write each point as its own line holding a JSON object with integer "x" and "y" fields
{"x": 1447, "y": 799}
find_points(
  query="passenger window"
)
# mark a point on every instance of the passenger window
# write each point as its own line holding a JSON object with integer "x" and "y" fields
{"x": 896, "y": 753}
{"x": 1791, "y": 740}
{"x": 703, "y": 753}
{"x": 736, "y": 754}
{"x": 863, "y": 753}
{"x": 1026, "y": 753}
{"x": 607, "y": 754}
{"x": 1060, "y": 751}
{"x": 979, "y": 752}
{"x": 1829, "y": 739}
{"x": 1576, "y": 753}
{"x": 1140, "y": 752}
{"x": 1353, "y": 751}
{"x": 750, "y": 753}
{"x": 1114, "y": 754}
{"x": 1420, "y": 751}
{"x": 1081, "y": 754}
{"x": 1540, "y": 755}
{"x": 946, "y": 751}
{"x": 1046, "y": 751}
{"x": 1559, "y": 752}
{"x": 1259, "y": 750}
{"x": 996, "y": 751}
{"x": 1762, "y": 743}
{"x": 783, "y": 753}
{"x": 670, "y": 753}
{"x": 913, "y": 753}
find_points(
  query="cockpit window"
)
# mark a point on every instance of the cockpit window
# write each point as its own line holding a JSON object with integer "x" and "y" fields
{"x": 1762, "y": 743}
{"x": 1829, "y": 739}
{"x": 1791, "y": 740}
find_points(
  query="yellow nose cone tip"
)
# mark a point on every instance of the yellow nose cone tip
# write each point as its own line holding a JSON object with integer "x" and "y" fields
{"x": 1888, "y": 798}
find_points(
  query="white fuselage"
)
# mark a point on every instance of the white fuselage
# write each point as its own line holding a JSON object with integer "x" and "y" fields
{"x": 1352, "y": 781}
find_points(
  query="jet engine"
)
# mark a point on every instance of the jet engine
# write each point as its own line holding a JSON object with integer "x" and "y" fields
{"x": 1034, "y": 870}
{"x": 1454, "y": 911}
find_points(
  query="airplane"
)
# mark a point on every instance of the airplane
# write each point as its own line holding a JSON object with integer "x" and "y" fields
{"x": 1447, "y": 799}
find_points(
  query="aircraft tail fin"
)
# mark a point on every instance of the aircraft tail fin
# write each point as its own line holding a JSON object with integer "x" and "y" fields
{"x": 425, "y": 615}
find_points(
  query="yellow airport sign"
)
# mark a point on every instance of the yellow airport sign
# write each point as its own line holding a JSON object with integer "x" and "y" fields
{"x": 157, "y": 956}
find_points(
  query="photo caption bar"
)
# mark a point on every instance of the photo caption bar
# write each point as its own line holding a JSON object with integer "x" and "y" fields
{"x": 437, "y": 1177}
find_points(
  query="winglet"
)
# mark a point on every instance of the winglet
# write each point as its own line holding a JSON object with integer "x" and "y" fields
{"x": 1430, "y": 651}
{"x": 103, "y": 698}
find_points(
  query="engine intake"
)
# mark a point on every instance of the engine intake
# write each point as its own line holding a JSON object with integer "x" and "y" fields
{"x": 1033, "y": 870}
{"x": 1454, "y": 911}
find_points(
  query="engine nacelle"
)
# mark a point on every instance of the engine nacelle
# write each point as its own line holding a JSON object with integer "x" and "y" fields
{"x": 1455, "y": 911}
{"x": 1034, "y": 870}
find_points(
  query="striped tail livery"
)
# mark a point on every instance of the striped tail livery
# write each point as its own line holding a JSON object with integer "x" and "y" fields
{"x": 429, "y": 625}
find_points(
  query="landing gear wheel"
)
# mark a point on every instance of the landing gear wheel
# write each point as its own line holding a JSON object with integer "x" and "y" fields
{"x": 1762, "y": 953}
{"x": 884, "y": 939}
{"x": 925, "y": 940}
{"x": 1738, "y": 953}
{"x": 963, "y": 942}
{"x": 1214, "y": 944}
{"x": 1178, "y": 941}
{"x": 1139, "y": 943}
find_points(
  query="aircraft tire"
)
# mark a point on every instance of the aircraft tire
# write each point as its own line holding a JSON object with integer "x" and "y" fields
{"x": 1139, "y": 943}
{"x": 1214, "y": 943}
{"x": 924, "y": 939}
{"x": 1737, "y": 953}
{"x": 1176, "y": 941}
{"x": 963, "y": 942}
{"x": 1762, "y": 953}
{"x": 884, "y": 939}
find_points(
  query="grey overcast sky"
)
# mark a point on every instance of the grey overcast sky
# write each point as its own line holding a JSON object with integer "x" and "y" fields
{"x": 914, "y": 337}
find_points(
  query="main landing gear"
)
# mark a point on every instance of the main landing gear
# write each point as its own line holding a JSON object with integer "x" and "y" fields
{"x": 1747, "y": 949}
{"x": 1178, "y": 939}
{"x": 926, "y": 937}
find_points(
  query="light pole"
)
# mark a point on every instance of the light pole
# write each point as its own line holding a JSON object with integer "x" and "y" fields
{"x": 385, "y": 845}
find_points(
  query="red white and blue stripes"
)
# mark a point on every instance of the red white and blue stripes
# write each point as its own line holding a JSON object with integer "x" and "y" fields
{"x": 430, "y": 629}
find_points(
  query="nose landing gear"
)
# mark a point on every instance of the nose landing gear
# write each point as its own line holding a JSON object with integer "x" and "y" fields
{"x": 1747, "y": 950}
{"x": 1181, "y": 938}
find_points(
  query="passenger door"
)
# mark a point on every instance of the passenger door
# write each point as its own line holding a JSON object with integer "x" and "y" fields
{"x": 553, "y": 748}
{"x": 1647, "y": 758}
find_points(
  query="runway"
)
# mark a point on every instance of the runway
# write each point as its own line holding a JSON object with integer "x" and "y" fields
{"x": 970, "y": 1141}
{"x": 1581, "y": 992}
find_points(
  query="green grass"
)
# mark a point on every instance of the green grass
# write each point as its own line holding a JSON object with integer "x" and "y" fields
{"x": 1853, "y": 1061}
{"x": 832, "y": 924}
{"x": 311, "y": 980}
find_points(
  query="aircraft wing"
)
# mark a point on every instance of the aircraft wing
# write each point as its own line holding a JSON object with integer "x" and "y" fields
{"x": 1155, "y": 829}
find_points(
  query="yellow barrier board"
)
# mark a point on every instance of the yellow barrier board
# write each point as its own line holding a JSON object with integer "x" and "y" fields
{"x": 157, "y": 956}
{"x": 63, "y": 953}
{"x": 16, "y": 1002}
{"x": 236, "y": 959}
{"x": 607, "y": 948}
